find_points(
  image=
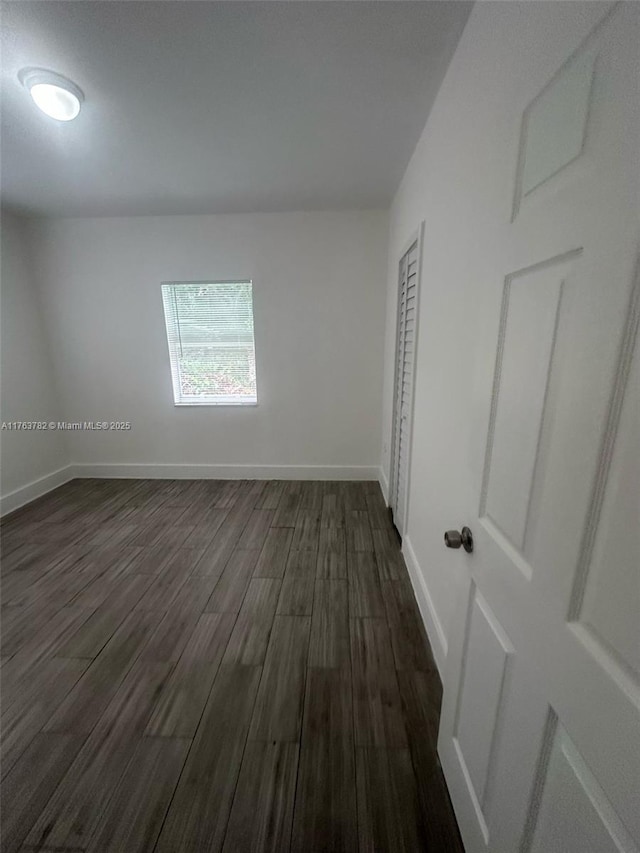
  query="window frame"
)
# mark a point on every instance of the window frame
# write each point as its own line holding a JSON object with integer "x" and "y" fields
{"x": 198, "y": 402}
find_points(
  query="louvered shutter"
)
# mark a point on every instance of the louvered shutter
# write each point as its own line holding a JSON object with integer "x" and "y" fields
{"x": 406, "y": 342}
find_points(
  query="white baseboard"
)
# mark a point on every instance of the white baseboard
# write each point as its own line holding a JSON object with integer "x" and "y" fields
{"x": 29, "y": 492}
{"x": 384, "y": 484}
{"x": 434, "y": 630}
{"x": 227, "y": 472}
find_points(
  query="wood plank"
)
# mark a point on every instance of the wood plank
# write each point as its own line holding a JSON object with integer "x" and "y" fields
{"x": 118, "y": 560}
{"x": 306, "y": 530}
{"x": 329, "y": 644}
{"x": 58, "y": 534}
{"x": 287, "y": 511}
{"x": 278, "y": 712}
{"x": 229, "y": 592}
{"x": 30, "y": 784}
{"x": 379, "y": 517}
{"x": 152, "y": 528}
{"x": 370, "y": 645}
{"x": 14, "y": 584}
{"x": 399, "y": 598}
{"x": 439, "y": 821}
{"x": 250, "y": 637}
{"x": 199, "y": 812}
{"x": 247, "y": 496}
{"x": 164, "y": 588}
{"x": 411, "y": 647}
{"x": 150, "y": 560}
{"x": 185, "y": 493}
{"x": 85, "y": 703}
{"x": 180, "y": 706}
{"x": 74, "y": 811}
{"x": 358, "y": 530}
{"x": 56, "y": 587}
{"x": 365, "y": 592}
{"x": 273, "y": 557}
{"x": 203, "y": 532}
{"x": 325, "y": 816}
{"x": 21, "y": 672}
{"x": 312, "y": 493}
{"x": 209, "y": 640}
{"x": 389, "y": 558}
{"x": 332, "y": 553}
{"x": 98, "y": 591}
{"x": 353, "y": 495}
{"x": 22, "y": 558}
{"x": 296, "y": 597}
{"x": 332, "y": 514}
{"x": 328, "y": 705}
{"x": 270, "y": 497}
{"x": 24, "y": 718}
{"x": 301, "y": 564}
{"x": 255, "y": 533}
{"x": 134, "y": 817}
{"x": 377, "y": 709}
{"x": 110, "y": 534}
{"x": 389, "y": 816}
{"x": 227, "y": 494}
{"x": 177, "y": 625}
{"x": 263, "y": 804}
{"x": 181, "y": 702}
{"x": 20, "y": 624}
{"x": 95, "y": 632}
{"x": 45, "y": 643}
{"x": 216, "y": 556}
{"x": 421, "y": 697}
{"x": 175, "y": 535}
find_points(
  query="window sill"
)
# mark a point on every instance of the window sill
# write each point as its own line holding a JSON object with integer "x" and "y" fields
{"x": 212, "y": 405}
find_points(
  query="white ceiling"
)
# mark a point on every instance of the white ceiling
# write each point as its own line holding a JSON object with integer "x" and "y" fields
{"x": 209, "y": 107}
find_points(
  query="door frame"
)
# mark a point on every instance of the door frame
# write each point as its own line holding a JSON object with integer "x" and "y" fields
{"x": 416, "y": 236}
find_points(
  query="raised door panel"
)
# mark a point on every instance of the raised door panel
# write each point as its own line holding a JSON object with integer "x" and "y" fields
{"x": 572, "y": 813}
{"x": 611, "y": 605}
{"x": 483, "y": 689}
{"x": 555, "y": 123}
{"x": 527, "y": 356}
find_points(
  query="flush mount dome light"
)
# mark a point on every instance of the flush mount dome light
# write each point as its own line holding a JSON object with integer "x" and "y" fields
{"x": 56, "y": 96}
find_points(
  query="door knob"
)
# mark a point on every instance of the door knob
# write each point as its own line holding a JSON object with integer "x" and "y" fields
{"x": 458, "y": 538}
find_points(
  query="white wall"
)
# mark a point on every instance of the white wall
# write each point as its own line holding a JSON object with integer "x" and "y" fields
{"x": 31, "y": 460}
{"x": 319, "y": 282}
{"x": 460, "y": 182}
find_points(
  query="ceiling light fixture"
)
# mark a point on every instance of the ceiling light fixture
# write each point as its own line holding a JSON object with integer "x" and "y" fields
{"x": 56, "y": 96}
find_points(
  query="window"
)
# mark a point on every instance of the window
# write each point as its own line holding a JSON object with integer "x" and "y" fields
{"x": 211, "y": 347}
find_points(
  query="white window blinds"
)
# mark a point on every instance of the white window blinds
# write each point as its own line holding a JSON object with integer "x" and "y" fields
{"x": 211, "y": 344}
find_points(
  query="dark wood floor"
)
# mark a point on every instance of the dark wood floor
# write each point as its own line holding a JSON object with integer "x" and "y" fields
{"x": 210, "y": 665}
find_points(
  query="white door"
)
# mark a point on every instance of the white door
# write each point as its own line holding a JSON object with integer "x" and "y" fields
{"x": 406, "y": 343}
{"x": 540, "y": 727}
